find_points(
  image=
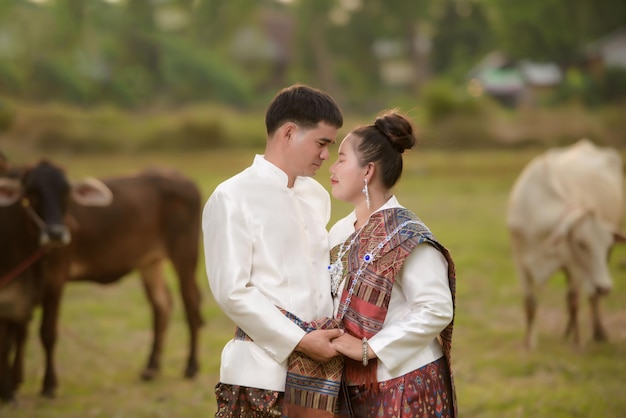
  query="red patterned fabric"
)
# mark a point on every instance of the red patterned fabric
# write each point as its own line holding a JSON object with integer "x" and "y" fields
{"x": 423, "y": 393}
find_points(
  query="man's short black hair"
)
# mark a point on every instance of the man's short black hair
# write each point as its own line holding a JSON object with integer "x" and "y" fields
{"x": 303, "y": 105}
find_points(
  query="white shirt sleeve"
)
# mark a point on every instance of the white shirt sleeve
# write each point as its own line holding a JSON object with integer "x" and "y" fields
{"x": 423, "y": 292}
{"x": 228, "y": 246}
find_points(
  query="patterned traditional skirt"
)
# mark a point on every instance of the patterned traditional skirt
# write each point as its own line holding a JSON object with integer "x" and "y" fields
{"x": 425, "y": 392}
{"x": 243, "y": 402}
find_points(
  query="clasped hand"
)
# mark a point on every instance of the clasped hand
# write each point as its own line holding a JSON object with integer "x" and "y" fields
{"x": 324, "y": 344}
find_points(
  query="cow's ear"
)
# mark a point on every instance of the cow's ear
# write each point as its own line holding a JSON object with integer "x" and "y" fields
{"x": 10, "y": 191}
{"x": 91, "y": 192}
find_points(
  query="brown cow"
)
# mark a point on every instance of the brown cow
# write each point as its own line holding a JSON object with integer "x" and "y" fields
{"x": 138, "y": 222}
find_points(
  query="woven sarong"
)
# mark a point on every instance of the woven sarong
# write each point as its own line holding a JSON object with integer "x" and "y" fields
{"x": 424, "y": 393}
{"x": 312, "y": 387}
{"x": 235, "y": 401}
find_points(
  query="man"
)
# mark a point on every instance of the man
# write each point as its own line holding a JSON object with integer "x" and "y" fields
{"x": 267, "y": 254}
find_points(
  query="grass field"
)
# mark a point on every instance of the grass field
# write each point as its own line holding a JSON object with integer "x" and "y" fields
{"x": 105, "y": 331}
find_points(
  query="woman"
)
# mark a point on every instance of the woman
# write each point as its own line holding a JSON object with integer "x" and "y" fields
{"x": 392, "y": 284}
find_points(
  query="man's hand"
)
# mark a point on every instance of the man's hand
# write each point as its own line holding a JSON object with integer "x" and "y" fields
{"x": 352, "y": 347}
{"x": 318, "y": 344}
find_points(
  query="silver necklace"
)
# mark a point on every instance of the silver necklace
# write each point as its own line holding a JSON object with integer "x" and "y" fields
{"x": 336, "y": 268}
{"x": 368, "y": 258}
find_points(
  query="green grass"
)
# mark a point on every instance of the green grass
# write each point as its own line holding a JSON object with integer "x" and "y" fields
{"x": 105, "y": 330}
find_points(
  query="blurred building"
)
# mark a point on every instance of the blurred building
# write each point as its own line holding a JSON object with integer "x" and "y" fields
{"x": 607, "y": 52}
{"x": 513, "y": 83}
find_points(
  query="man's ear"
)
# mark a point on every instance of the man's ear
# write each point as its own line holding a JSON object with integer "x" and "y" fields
{"x": 289, "y": 130}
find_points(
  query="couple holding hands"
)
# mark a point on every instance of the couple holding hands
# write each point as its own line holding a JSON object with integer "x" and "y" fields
{"x": 352, "y": 323}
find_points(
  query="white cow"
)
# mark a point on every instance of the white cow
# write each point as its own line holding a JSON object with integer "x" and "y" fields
{"x": 565, "y": 212}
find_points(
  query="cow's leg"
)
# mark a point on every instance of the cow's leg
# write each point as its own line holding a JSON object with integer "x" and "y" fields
{"x": 599, "y": 332}
{"x": 572, "y": 301}
{"x": 572, "y": 315}
{"x": 48, "y": 335}
{"x": 184, "y": 260}
{"x": 6, "y": 347}
{"x": 21, "y": 331}
{"x": 519, "y": 248}
{"x": 530, "y": 306}
{"x": 161, "y": 302}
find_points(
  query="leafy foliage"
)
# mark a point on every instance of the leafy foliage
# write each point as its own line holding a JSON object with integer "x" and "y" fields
{"x": 136, "y": 53}
{"x": 552, "y": 29}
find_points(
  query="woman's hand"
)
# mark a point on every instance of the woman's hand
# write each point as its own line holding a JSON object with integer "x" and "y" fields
{"x": 352, "y": 347}
{"x": 318, "y": 344}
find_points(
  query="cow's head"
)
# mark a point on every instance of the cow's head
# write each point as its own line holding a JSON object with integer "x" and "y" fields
{"x": 44, "y": 192}
{"x": 585, "y": 247}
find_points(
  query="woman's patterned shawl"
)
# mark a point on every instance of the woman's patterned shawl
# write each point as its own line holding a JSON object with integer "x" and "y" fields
{"x": 367, "y": 310}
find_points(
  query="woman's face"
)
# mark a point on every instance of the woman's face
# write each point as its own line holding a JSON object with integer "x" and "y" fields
{"x": 346, "y": 174}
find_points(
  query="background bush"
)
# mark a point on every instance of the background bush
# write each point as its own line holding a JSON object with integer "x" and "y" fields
{"x": 442, "y": 121}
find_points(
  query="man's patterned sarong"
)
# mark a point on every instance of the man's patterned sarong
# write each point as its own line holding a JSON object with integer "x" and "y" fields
{"x": 312, "y": 387}
{"x": 234, "y": 401}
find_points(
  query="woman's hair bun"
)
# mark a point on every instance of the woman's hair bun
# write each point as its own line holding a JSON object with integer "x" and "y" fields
{"x": 398, "y": 129}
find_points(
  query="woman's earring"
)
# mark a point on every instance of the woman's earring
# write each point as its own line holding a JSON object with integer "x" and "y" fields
{"x": 366, "y": 192}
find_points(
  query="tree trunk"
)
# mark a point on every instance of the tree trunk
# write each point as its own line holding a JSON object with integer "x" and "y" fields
{"x": 419, "y": 54}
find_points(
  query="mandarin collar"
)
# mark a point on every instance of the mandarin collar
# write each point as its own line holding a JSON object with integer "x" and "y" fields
{"x": 392, "y": 202}
{"x": 272, "y": 172}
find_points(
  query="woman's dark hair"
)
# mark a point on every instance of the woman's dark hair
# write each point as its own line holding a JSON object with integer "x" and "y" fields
{"x": 303, "y": 105}
{"x": 384, "y": 142}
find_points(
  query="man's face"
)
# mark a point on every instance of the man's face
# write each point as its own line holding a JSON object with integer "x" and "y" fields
{"x": 309, "y": 148}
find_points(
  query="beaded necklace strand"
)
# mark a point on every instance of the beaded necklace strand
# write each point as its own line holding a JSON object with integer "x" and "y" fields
{"x": 368, "y": 258}
{"x": 336, "y": 268}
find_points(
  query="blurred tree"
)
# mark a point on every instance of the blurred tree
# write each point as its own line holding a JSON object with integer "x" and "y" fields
{"x": 410, "y": 22}
{"x": 552, "y": 30}
{"x": 313, "y": 50}
{"x": 133, "y": 52}
{"x": 11, "y": 75}
{"x": 214, "y": 22}
{"x": 380, "y": 48}
{"x": 462, "y": 34}
{"x": 140, "y": 37}
{"x": 191, "y": 76}
{"x": 69, "y": 15}
{"x": 353, "y": 33}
